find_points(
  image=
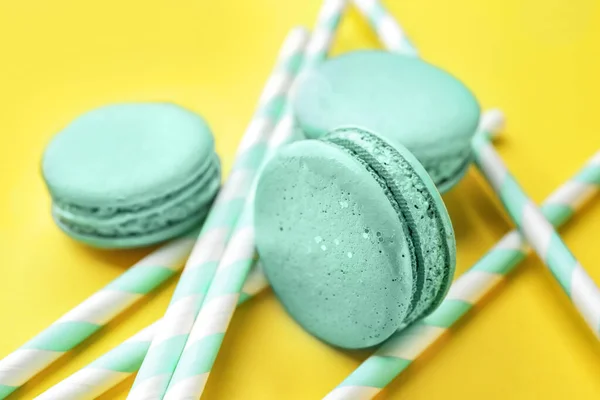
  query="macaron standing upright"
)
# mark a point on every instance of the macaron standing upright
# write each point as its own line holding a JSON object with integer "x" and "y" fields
{"x": 403, "y": 98}
{"x": 130, "y": 175}
{"x": 354, "y": 237}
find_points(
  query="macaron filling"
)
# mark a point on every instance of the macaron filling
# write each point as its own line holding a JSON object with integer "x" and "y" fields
{"x": 187, "y": 204}
{"x": 209, "y": 171}
{"x": 428, "y": 228}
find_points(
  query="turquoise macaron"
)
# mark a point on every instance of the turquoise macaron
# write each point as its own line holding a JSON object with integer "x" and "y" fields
{"x": 429, "y": 111}
{"x": 131, "y": 175}
{"x": 353, "y": 236}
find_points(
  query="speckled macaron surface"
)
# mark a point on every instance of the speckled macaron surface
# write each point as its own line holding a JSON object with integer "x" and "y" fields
{"x": 424, "y": 108}
{"x": 354, "y": 237}
{"x": 130, "y": 175}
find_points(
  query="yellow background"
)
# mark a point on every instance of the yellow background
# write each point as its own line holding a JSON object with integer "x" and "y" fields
{"x": 539, "y": 60}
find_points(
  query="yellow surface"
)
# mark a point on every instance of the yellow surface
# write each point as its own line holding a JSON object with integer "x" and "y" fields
{"x": 536, "y": 59}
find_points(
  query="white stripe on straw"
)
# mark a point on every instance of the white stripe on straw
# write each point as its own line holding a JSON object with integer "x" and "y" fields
{"x": 390, "y": 33}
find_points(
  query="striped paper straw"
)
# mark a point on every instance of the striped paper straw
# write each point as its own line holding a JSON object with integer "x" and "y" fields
{"x": 205, "y": 340}
{"x": 390, "y": 33}
{"x": 106, "y": 371}
{"x": 124, "y": 360}
{"x": 574, "y": 280}
{"x": 469, "y": 289}
{"x": 171, "y": 333}
{"x": 92, "y": 314}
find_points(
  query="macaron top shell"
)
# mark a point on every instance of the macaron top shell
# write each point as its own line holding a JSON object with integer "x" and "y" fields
{"x": 355, "y": 241}
{"x": 127, "y": 153}
{"x": 399, "y": 97}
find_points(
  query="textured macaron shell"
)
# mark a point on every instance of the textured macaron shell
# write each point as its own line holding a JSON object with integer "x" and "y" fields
{"x": 316, "y": 200}
{"x": 131, "y": 174}
{"x": 332, "y": 245}
{"x": 403, "y": 98}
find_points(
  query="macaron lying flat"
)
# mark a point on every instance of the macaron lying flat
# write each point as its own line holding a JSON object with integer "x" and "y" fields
{"x": 406, "y": 99}
{"x": 131, "y": 175}
{"x": 354, "y": 237}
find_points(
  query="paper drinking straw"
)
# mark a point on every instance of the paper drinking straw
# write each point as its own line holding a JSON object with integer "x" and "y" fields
{"x": 124, "y": 360}
{"x": 572, "y": 277}
{"x": 487, "y": 274}
{"x": 172, "y": 332}
{"x": 105, "y": 372}
{"x": 390, "y": 33}
{"x": 204, "y": 342}
{"x": 92, "y": 314}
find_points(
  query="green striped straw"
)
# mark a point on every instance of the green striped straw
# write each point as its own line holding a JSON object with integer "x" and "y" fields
{"x": 388, "y": 30}
{"x": 124, "y": 360}
{"x": 545, "y": 241}
{"x": 92, "y": 314}
{"x": 171, "y": 333}
{"x": 486, "y": 275}
{"x": 205, "y": 340}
